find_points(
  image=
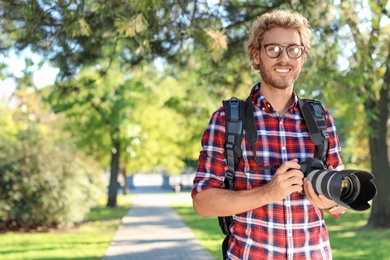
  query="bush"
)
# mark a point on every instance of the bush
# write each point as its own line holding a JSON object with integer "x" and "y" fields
{"x": 44, "y": 182}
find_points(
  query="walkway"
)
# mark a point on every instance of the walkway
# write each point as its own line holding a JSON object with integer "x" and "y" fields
{"x": 152, "y": 230}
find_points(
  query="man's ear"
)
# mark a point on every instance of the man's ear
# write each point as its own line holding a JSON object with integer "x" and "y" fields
{"x": 256, "y": 56}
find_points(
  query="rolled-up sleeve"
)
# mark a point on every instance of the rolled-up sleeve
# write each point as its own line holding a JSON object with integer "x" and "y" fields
{"x": 211, "y": 169}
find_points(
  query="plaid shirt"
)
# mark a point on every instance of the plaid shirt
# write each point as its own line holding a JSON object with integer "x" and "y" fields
{"x": 288, "y": 229}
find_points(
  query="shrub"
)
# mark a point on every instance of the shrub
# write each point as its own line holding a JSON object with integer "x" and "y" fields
{"x": 44, "y": 182}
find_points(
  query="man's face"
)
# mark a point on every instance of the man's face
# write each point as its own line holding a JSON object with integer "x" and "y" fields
{"x": 283, "y": 71}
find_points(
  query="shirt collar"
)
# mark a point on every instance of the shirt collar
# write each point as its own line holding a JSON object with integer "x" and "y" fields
{"x": 260, "y": 101}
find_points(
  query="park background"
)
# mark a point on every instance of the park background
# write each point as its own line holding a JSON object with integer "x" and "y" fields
{"x": 135, "y": 83}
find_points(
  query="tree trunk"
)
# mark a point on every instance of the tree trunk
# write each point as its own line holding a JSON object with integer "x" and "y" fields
{"x": 113, "y": 186}
{"x": 125, "y": 184}
{"x": 380, "y": 214}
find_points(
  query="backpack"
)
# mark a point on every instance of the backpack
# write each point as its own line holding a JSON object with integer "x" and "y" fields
{"x": 240, "y": 116}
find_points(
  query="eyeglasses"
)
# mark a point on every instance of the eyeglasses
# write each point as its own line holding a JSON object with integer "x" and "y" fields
{"x": 294, "y": 51}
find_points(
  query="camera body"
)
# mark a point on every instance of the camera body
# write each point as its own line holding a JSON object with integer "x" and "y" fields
{"x": 352, "y": 189}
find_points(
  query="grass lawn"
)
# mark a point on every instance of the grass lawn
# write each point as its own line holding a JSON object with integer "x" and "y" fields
{"x": 88, "y": 241}
{"x": 349, "y": 240}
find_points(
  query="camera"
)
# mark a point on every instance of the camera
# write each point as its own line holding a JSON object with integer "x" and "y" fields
{"x": 352, "y": 189}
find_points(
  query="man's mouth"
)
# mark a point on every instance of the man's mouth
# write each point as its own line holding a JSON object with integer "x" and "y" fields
{"x": 282, "y": 70}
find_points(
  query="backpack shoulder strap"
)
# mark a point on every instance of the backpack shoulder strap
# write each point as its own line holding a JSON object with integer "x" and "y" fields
{"x": 234, "y": 114}
{"x": 239, "y": 116}
{"x": 314, "y": 114}
{"x": 234, "y": 111}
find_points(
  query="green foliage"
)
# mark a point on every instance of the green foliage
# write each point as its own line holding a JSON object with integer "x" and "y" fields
{"x": 97, "y": 109}
{"x": 361, "y": 89}
{"x": 43, "y": 181}
{"x": 164, "y": 128}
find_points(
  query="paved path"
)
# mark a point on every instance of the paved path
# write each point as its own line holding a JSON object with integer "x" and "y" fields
{"x": 152, "y": 230}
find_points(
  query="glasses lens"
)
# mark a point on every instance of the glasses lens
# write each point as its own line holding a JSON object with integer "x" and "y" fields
{"x": 295, "y": 51}
{"x": 273, "y": 50}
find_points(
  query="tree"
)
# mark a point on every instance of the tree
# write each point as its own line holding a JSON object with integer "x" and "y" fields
{"x": 370, "y": 77}
{"x": 100, "y": 111}
{"x": 79, "y": 35}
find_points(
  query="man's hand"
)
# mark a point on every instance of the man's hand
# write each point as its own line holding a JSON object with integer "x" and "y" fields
{"x": 319, "y": 201}
{"x": 288, "y": 179}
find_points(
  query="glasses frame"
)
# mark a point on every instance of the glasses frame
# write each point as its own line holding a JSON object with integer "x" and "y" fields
{"x": 282, "y": 49}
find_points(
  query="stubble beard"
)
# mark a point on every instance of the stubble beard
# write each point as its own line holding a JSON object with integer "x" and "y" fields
{"x": 279, "y": 83}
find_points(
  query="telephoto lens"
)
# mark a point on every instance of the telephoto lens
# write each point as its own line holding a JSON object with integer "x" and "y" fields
{"x": 352, "y": 189}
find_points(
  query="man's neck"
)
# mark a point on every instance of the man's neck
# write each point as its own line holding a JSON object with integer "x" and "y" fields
{"x": 280, "y": 99}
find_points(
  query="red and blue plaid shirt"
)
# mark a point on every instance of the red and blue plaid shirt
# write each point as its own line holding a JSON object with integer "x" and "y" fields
{"x": 288, "y": 229}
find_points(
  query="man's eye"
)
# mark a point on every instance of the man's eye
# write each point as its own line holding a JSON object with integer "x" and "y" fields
{"x": 276, "y": 49}
{"x": 295, "y": 50}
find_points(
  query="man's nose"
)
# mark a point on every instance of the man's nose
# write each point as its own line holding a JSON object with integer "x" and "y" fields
{"x": 283, "y": 55}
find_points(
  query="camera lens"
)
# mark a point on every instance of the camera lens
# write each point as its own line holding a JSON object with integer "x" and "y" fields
{"x": 350, "y": 187}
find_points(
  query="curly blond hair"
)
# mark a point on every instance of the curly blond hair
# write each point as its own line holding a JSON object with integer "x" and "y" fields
{"x": 277, "y": 18}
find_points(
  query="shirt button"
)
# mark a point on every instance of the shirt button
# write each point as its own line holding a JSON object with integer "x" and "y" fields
{"x": 283, "y": 148}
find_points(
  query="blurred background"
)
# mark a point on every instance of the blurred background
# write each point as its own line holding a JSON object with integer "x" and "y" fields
{"x": 96, "y": 92}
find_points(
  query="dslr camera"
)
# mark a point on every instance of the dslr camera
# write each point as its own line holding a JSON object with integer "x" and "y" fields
{"x": 352, "y": 189}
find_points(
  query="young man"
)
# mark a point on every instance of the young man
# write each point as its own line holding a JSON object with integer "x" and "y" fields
{"x": 272, "y": 219}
